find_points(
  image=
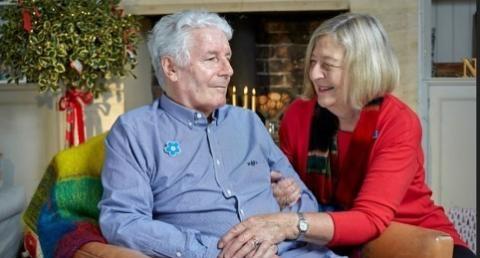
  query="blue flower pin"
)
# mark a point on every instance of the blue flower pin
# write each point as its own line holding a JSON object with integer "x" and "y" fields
{"x": 172, "y": 148}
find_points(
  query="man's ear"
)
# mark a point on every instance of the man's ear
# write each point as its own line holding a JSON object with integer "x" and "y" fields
{"x": 169, "y": 68}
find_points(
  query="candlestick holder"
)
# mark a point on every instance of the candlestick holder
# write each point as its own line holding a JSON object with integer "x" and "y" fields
{"x": 271, "y": 106}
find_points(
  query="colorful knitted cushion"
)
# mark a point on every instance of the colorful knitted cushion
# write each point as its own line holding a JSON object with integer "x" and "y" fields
{"x": 63, "y": 212}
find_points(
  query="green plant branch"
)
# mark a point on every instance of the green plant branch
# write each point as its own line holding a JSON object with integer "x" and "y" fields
{"x": 72, "y": 43}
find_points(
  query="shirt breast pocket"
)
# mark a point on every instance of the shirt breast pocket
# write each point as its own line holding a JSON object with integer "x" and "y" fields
{"x": 255, "y": 173}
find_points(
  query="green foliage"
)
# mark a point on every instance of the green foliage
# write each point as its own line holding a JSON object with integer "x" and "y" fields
{"x": 76, "y": 43}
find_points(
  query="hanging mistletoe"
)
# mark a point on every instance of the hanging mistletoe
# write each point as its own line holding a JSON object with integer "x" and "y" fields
{"x": 76, "y": 44}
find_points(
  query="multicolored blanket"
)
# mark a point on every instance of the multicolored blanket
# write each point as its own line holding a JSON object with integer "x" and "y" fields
{"x": 63, "y": 212}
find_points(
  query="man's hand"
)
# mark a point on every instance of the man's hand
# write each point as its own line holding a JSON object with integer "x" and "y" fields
{"x": 285, "y": 190}
{"x": 258, "y": 236}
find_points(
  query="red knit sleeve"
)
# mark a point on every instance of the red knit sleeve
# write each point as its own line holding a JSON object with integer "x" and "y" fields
{"x": 393, "y": 164}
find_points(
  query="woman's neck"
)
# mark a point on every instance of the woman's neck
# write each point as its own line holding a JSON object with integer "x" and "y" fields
{"x": 347, "y": 119}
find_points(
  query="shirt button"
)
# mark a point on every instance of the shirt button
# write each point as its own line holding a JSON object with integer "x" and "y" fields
{"x": 178, "y": 254}
{"x": 199, "y": 115}
{"x": 190, "y": 124}
{"x": 229, "y": 193}
{"x": 218, "y": 162}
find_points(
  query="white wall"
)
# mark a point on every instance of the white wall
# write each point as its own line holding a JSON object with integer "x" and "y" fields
{"x": 138, "y": 91}
{"x": 28, "y": 134}
{"x": 32, "y": 131}
{"x": 453, "y": 24}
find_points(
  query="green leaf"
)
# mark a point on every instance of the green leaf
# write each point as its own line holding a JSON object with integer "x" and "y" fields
{"x": 70, "y": 28}
{"x": 59, "y": 68}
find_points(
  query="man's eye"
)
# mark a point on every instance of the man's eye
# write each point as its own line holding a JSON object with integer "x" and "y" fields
{"x": 212, "y": 59}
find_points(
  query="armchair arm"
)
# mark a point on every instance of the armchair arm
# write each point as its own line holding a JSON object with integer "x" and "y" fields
{"x": 406, "y": 241}
{"x": 397, "y": 241}
{"x": 101, "y": 250}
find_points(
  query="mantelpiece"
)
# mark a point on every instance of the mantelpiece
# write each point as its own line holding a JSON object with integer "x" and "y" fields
{"x": 156, "y": 7}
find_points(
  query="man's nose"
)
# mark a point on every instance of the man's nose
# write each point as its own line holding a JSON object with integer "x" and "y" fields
{"x": 227, "y": 69}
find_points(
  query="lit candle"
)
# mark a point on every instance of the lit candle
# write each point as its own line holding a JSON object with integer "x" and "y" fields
{"x": 234, "y": 96}
{"x": 245, "y": 97}
{"x": 254, "y": 102}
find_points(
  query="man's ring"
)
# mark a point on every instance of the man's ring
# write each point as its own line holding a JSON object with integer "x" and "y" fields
{"x": 256, "y": 243}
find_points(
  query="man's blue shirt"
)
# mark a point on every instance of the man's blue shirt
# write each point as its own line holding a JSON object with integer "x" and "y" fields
{"x": 175, "y": 183}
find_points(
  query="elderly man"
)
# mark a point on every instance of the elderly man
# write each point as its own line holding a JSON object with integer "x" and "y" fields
{"x": 182, "y": 171}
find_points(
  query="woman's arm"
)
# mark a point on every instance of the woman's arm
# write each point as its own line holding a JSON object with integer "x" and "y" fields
{"x": 272, "y": 229}
{"x": 394, "y": 162}
{"x": 392, "y": 168}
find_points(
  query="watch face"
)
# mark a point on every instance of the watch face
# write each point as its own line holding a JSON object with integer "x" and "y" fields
{"x": 303, "y": 226}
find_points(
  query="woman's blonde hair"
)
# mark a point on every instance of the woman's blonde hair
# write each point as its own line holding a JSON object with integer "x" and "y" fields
{"x": 371, "y": 65}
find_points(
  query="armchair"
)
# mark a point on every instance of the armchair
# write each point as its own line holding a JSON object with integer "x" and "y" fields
{"x": 61, "y": 219}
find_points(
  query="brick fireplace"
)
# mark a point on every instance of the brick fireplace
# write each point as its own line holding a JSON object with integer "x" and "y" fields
{"x": 269, "y": 48}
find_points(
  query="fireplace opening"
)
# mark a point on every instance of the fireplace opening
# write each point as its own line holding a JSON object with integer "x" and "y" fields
{"x": 269, "y": 48}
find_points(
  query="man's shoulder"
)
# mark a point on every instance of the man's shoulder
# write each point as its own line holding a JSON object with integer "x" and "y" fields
{"x": 142, "y": 113}
{"x": 238, "y": 114}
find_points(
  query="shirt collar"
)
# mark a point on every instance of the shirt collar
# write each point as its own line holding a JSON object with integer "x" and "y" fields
{"x": 190, "y": 117}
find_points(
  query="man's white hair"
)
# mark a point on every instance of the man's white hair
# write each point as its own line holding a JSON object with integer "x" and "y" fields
{"x": 171, "y": 35}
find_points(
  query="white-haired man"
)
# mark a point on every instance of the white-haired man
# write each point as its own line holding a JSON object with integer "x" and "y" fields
{"x": 182, "y": 171}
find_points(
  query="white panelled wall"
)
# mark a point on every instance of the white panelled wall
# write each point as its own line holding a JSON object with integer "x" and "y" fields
{"x": 453, "y": 133}
{"x": 448, "y": 105}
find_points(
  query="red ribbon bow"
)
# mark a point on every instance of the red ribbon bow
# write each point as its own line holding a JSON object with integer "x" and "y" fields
{"x": 27, "y": 17}
{"x": 72, "y": 102}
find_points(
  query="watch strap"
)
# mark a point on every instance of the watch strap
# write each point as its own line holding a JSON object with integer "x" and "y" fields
{"x": 302, "y": 226}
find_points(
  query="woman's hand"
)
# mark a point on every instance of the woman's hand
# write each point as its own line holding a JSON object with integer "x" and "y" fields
{"x": 258, "y": 236}
{"x": 285, "y": 190}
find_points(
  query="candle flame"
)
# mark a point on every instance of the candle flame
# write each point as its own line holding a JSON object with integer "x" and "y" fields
{"x": 254, "y": 101}
{"x": 245, "y": 97}
{"x": 234, "y": 96}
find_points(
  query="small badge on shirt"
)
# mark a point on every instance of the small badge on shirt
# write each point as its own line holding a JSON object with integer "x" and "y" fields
{"x": 172, "y": 148}
{"x": 252, "y": 163}
{"x": 375, "y": 134}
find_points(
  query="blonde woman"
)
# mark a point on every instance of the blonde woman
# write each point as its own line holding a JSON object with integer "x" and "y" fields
{"x": 356, "y": 146}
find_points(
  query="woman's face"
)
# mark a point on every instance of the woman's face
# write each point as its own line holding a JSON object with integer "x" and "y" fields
{"x": 328, "y": 74}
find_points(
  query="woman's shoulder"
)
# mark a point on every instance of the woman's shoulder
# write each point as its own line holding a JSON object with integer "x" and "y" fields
{"x": 398, "y": 116}
{"x": 299, "y": 107}
{"x": 394, "y": 107}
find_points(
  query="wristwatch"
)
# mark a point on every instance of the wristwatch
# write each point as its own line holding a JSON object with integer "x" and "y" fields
{"x": 302, "y": 226}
